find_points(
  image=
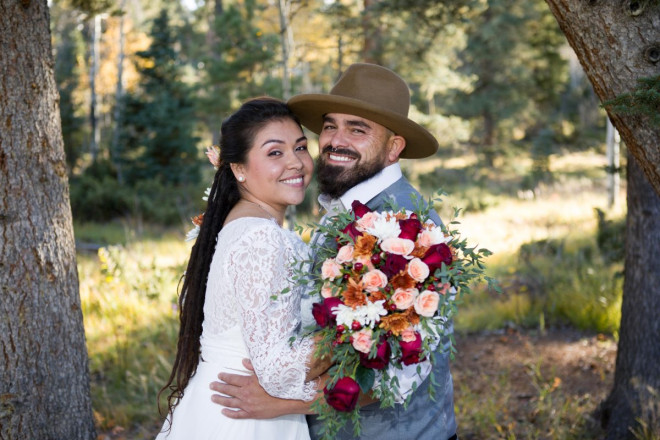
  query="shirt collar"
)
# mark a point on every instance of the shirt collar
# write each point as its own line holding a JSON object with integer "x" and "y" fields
{"x": 363, "y": 191}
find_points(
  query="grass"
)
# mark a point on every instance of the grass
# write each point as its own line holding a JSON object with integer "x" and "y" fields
{"x": 546, "y": 256}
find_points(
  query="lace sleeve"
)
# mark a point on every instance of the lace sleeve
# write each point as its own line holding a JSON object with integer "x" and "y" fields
{"x": 258, "y": 267}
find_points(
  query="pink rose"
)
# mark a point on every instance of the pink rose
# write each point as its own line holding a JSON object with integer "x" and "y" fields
{"x": 367, "y": 221}
{"x": 345, "y": 254}
{"x": 326, "y": 291}
{"x": 431, "y": 235}
{"x": 361, "y": 340}
{"x": 399, "y": 246}
{"x": 394, "y": 264}
{"x": 411, "y": 352}
{"x": 374, "y": 280}
{"x": 359, "y": 209}
{"x": 382, "y": 358}
{"x": 436, "y": 255}
{"x": 443, "y": 288}
{"x": 410, "y": 228}
{"x": 426, "y": 304}
{"x": 344, "y": 395}
{"x": 418, "y": 270}
{"x": 330, "y": 269}
{"x": 408, "y": 335}
{"x": 404, "y": 298}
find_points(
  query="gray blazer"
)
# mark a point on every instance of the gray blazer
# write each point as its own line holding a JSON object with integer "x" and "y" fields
{"x": 424, "y": 419}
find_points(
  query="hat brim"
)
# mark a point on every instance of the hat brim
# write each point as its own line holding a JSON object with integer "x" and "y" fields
{"x": 311, "y": 108}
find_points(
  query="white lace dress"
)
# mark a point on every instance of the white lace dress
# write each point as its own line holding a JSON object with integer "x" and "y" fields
{"x": 241, "y": 320}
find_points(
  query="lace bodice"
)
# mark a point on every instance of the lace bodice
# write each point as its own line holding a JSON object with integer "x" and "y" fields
{"x": 252, "y": 262}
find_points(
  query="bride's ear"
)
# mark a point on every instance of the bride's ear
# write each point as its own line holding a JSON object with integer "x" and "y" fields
{"x": 239, "y": 171}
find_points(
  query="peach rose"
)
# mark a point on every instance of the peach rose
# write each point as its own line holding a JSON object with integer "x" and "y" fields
{"x": 408, "y": 335}
{"x": 330, "y": 269}
{"x": 418, "y": 269}
{"x": 326, "y": 291}
{"x": 366, "y": 261}
{"x": 374, "y": 280}
{"x": 361, "y": 340}
{"x": 404, "y": 298}
{"x": 426, "y": 304}
{"x": 345, "y": 254}
{"x": 366, "y": 221}
{"x": 398, "y": 246}
{"x": 443, "y": 288}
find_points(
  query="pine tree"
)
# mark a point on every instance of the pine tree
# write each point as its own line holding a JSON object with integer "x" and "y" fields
{"x": 158, "y": 140}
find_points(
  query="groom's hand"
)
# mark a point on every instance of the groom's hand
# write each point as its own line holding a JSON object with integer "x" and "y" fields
{"x": 248, "y": 400}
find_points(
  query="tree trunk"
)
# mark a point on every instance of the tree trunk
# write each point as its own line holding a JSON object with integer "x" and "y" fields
{"x": 44, "y": 379}
{"x": 637, "y": 377}
{"x": 617, "y": 43}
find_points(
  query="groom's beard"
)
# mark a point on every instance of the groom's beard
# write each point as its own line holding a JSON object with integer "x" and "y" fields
{"x": 335, "y": 180}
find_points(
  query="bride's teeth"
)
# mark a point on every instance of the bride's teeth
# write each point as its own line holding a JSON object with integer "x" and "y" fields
{"x": 296, "y": 180}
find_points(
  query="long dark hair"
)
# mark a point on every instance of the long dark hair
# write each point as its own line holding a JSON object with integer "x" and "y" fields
{"x": 236, "y": 137}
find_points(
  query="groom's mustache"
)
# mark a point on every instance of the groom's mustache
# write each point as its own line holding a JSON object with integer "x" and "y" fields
{"x": 342, "y": 151}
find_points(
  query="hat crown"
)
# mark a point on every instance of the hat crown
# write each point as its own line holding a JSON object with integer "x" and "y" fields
{"x": 374, "y": 85}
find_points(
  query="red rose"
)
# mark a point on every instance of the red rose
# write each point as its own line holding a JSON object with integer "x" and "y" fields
{"x": 351, "y": 230}
{"x": 436, "y": 255}
{"x": 410, "y": 228}
{"x": 359, "y": 209}
{"x": 411, "y": 351}
{"x": 322, "y": 312}
{"x": 344, "y": 395}
{"x": 393, "y": 264}
{"x": 383, "y": 353}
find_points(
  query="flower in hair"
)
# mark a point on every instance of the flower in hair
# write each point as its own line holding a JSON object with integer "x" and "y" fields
{"x": 213, "y": 153}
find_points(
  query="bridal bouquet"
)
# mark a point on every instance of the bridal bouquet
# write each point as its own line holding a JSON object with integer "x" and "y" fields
{"x": 387, "y": 290}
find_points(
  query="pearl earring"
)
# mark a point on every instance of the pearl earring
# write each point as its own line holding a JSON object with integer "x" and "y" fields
{"x": 241, "y": 179}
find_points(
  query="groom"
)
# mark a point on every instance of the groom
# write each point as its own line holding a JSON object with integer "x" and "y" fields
{"x": 363, "y": 130}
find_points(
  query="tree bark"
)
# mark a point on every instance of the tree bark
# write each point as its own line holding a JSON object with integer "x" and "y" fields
{"x": 44, "y": 379}
{"x": 637, "y": 376}
{"x": 617, "y": 43}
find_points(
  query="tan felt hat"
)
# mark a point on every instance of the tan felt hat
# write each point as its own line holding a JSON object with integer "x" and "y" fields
{"x": 374, "y": 93}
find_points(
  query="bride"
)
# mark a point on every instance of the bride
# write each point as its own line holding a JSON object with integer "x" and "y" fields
{"x": 231, "y": 304}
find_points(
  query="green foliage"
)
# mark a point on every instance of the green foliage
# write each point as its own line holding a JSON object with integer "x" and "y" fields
{"x": 157, "y": 136}
{"x": 554, "y": 284}
{"x": 96, "y": 195}
{"x": 237, "y": 63}
{"x": 126, "y": 296}
{"x": 643, "y": 100}
{"x": 69, "y": 48}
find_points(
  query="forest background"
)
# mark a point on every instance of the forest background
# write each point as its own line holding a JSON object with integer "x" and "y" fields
{"x": 144, "y": 87}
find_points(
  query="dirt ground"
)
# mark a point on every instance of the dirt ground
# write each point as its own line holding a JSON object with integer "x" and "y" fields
{"x": 576, "y": 366}
{"x": 576, "y": 363}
